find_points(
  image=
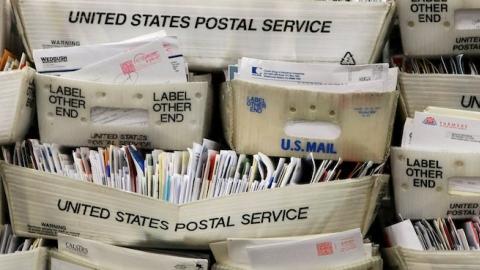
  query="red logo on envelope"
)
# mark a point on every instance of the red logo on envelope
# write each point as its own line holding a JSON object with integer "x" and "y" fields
{"x": 430, "y": 121}
{"x": 324, "y": 248}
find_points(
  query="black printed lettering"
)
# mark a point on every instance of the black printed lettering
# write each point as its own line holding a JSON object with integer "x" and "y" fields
{"x": 119, "y": 216}
{"x": 179, "y": 226}
{"x": 303, "y": 212}
{"x": 83, "y": 209}
{"x": 429, "y": 11}
{"x": 245, "y": 219}
{"x": 273, "y": 216}
{"x": 424, "y": 172}
{"x": 172, "y": 106}
{"x": 107, "y": 18}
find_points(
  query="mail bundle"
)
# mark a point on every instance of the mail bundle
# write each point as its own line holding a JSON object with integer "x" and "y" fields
{"x": 215, "y": 34}
{"x": 130, "y": 92}
{"x": 328, "y": 109}
{"x": 437, "y": 234}
{"x": 180, "y": 177}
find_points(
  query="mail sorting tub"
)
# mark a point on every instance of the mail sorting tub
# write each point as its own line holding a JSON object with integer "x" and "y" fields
{"x": 81, "y": 113}
{"x": 454, "y": 91}
{"x": 434, "y": 28}
{"x": 431, "y": 184}
{"x": 407, "y": 259}
{"x": 374, "y": 263}
{"x": 35, "y": 259}
{"x": 269, "y": 119}
{"x": 216, "y": 33}
{"x": 37, "y": 198}
{"x": 17, "y": 103}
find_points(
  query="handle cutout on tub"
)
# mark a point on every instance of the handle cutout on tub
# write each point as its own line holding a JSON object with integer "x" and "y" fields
{"x": 468, "y": 186}
{"x": 319, "y": 130}
{"x": 466, "y": 19}
{"x": 119, "y": 117}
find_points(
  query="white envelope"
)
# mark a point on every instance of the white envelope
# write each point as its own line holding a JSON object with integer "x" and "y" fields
{"x": 146, "y": 64}
{"x": 311, "y": 75}
{"x": 66, "y": 59}
{"x": 233, "y": 251}
{"x": 403, "y": 234}
{"x": 445, "y": 131}
{"x": 331, "y": 250}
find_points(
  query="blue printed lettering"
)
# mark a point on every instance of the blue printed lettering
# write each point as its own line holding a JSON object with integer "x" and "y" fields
{"x": 307, "y": 146}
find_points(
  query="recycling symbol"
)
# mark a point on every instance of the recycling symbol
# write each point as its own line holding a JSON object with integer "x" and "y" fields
{"x": 348, "y": 59}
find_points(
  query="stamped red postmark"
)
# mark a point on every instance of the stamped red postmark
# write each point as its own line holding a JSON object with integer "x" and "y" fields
{"x": 139, "y": 62}
{"x": 348, "y": 244}
{"x": 128, "y": 67}
{"x": 324, "y": 248}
